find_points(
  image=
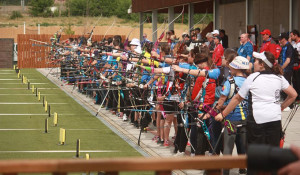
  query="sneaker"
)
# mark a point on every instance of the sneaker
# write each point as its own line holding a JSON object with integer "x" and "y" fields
{"x": 167, "y": 143}
{"x": 155, "y": 138}
{"x": 179, "y": 154}
{"x": 243, "y": 171}
{"x": 159, "y": 141}
{"x": 193, "y": 154}
{"x": 125, "y": 117}
{"x": 287, "y": 109}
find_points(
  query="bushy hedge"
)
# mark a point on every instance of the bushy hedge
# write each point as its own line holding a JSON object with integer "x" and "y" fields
{"x": 15, "y": 15}
{"x": 41, "y": 7}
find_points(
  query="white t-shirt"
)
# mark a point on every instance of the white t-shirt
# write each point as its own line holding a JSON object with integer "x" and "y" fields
{"x": 265, "y": 90}
{"x": 296, "y": 45}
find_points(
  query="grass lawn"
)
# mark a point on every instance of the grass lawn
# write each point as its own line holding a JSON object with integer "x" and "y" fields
{"x": 26, "y": 132}
{"x": 22, "y": 125}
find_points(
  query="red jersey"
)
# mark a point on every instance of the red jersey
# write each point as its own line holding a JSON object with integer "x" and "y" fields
{"x": 210, "y": 89}
{"x": 271, "y": 46}
{"x": 217, "y": 55}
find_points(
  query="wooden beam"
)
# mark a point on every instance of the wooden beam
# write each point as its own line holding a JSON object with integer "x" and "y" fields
{"x": 122, "y": 164}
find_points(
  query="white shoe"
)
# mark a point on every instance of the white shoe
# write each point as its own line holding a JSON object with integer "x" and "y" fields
{"x": 124, "y": 117}
{"x": 193, "y": 154}
{"x": 179, "y": 154}
{"x": 287, "y": 109}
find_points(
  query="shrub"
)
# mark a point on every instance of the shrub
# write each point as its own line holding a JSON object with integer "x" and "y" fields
{"x": 41, "y": 7}
{"x": 69, "y": 31}
{"x": 15, "y": 15}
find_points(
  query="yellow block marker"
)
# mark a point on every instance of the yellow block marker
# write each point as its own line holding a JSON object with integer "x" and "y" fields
{"x": 14, "y": 67}
{"x": 55, "y": 119}
{"x": 87, "y": 157}
{"x": 39, "y": 96}
{"x": 32, "y": 89}
{"x": 46, "y": 106}
{"x": 62, "y": 136}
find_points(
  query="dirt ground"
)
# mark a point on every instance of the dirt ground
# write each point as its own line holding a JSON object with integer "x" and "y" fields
{"x": 11, "y": 28}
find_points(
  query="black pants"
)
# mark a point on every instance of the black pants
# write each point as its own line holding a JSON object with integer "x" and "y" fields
{"x": 215, "y": 129}
{"x": 112, "y": 99}
{"x": 296, "y": 82}
{"x": 288, "y": 77}
{"x": 181, "y": 136}
{"x": 198, "y": 139}
{"x": 266, "y": 133}
{"x": 202, "y": 141}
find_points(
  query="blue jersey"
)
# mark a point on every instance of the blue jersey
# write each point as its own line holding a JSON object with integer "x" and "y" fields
{"x": 214, "y": 73}
{"x": 146, "y": 77}
{"x": 246, "y": 50}
{"x": 240, "y": 111}
{"x": 187, "y": 66}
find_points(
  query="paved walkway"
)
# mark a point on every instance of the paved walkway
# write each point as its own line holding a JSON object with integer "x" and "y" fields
{"x": 149, "y": 147}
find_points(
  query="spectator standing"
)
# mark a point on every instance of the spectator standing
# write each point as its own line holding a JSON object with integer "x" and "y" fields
{"x": 269, "y": 45}
{"x": 295, "y": 41}
{"x": 224, "y": 38}
{"x": 246, "y": 48}
{"x": 218, "y": 52}
{"x": 197, "y": 32}
{"x": 211, "y": 44}
{"x": 286, "y": 60}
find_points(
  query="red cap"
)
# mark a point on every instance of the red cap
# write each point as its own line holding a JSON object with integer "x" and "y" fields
{"x": 266, "y": 31}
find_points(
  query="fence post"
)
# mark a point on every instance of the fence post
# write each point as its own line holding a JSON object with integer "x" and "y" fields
{"x": 39, "y": 30}
{"x": 24, "y": 27}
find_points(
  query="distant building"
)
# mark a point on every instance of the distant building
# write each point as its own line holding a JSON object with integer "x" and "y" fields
{"x": 60, "y": 1}
{"x": 234, "y": 16}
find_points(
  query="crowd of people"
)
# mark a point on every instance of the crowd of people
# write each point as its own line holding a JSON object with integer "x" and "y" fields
{"x": 212, "y": 95}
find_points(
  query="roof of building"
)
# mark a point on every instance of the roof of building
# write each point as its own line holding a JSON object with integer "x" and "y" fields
{"x": 200, "y": 6}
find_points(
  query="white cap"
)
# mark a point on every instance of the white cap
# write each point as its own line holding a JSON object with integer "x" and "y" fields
{"x": 215, "y": 32}
{"x": 138, "y": 49}
{"x": 263, "y": 57}
{"x": 135, "y": 42}
{"x": 239, "y": 62}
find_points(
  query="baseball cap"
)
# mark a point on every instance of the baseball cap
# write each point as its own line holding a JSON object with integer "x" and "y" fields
{"x": 219, "y": 38}
{"x": 266, "y": 32}
{"x": 263, "y": 57}
{"x": 239, "y": 62}
{"x": 135, "y": 42}
{"x": 283, "y": 35}
{"x": 215, "y": 32}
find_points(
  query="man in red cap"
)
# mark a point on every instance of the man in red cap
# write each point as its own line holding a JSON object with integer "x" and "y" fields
{"x": 269, "y": 44}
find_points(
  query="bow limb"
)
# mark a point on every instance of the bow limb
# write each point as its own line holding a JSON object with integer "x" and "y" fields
{"x": 109, "y": 28}
{"x": 199, "y": 20}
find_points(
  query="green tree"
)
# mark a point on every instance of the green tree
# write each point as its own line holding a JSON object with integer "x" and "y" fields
{"x": 40, "y": 7}
{"x": 122, "y": 10}
{"x": 77, "y": 7}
